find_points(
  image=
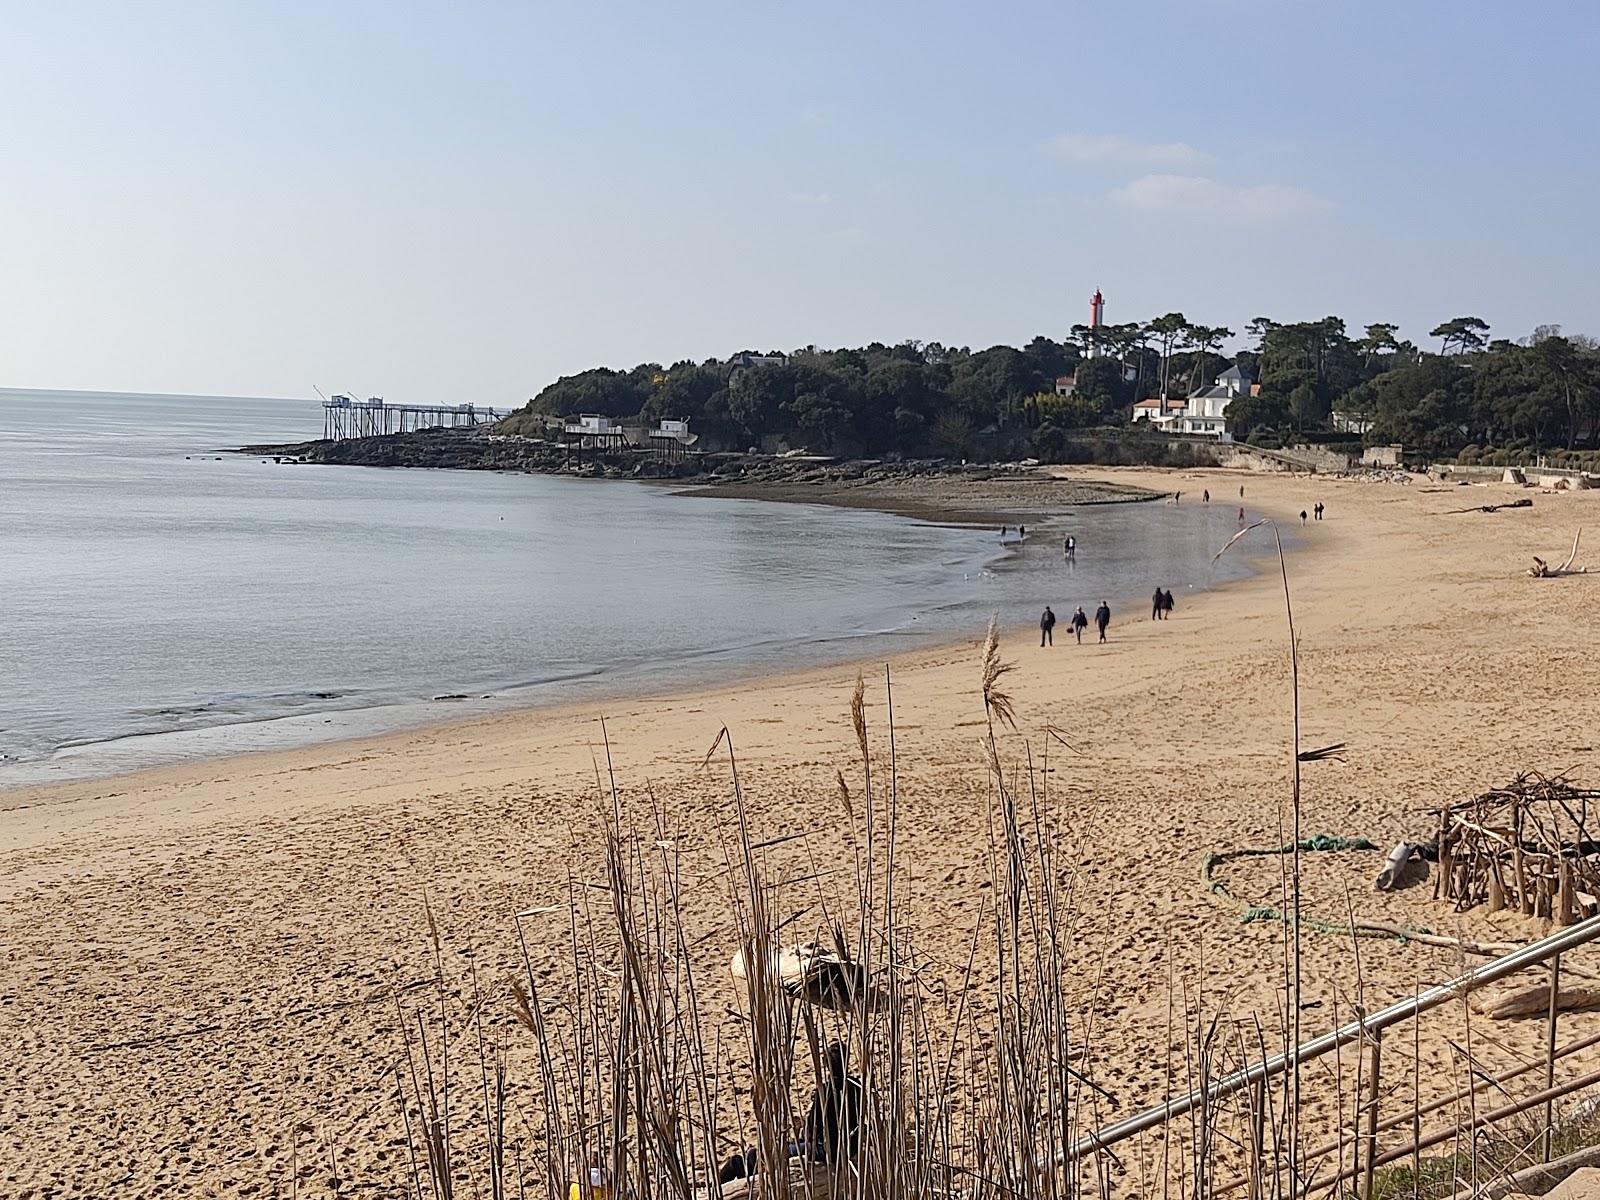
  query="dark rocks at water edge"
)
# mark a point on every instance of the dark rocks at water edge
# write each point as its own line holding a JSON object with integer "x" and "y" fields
{"x": 476, "y": 450}
{"x": 482, "y": 451}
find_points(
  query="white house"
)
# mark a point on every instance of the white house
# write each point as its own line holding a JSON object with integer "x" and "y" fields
{"x": 671, "y": 437}
{"x": 1163, "y": 413}
{"x": 1204, "y": 410}
{"x": 593, "y": 431}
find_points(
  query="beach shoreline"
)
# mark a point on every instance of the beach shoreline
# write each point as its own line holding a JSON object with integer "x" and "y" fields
{"x": 184, "y": 914}
{"x": 975, "y": 499}
{"x": 946, "y": 504}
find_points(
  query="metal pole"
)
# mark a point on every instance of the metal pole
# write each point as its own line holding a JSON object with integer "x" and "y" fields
{"x": 1550, "y": 1057}
{"x": 1490, "y": 972}
{"x": 1370, "y": 1155}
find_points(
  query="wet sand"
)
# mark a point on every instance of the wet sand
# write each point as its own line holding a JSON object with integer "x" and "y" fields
{"x": 1002, "y": 496}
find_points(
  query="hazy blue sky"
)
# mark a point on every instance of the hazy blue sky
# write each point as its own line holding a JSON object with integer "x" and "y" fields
{"x": 462, "y": 202}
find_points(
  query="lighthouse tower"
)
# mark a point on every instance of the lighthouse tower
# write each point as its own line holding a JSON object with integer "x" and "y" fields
{"x": 1097, "y": 312}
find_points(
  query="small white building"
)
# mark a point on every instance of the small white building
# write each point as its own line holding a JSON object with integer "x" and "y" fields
{"x": 593, "y": 425}
{"x": 671, "y": 437}
{"x": 1162, "y": 413}
{"x": 1205, "y": 410}
{"x": 594, "y": 432}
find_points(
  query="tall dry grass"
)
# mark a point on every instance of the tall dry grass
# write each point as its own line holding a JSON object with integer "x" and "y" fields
{"x": 979, "y": 1076}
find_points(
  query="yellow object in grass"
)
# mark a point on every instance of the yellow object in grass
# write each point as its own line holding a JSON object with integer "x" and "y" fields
{"x": 595, "y": 1189}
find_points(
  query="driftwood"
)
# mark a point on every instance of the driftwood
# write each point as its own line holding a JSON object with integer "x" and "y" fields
{"x": 1528, "y": 847}
{"x": 1525, "y": 502}
{"x": 1543, "y": 570}
{"x": 1484, "y": 949}
{"x": 1534, "y": 1001}
{"x": 1539, "y": 1179}
{"x": 1406, "y": 865}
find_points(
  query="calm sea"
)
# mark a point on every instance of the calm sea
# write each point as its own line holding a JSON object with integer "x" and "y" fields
{"x": 160, "y": 600}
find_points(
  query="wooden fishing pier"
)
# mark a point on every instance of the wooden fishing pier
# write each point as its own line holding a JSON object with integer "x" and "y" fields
{"x": 344, "y": 418}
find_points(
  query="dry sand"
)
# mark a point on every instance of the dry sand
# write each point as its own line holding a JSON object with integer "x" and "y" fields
{"x": 175, "y": 943}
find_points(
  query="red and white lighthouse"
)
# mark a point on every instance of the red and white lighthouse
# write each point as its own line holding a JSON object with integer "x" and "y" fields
{"x": 1097, "y": 312}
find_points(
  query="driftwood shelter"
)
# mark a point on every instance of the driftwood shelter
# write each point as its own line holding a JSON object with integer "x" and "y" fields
{"x": 1528, "y": 847}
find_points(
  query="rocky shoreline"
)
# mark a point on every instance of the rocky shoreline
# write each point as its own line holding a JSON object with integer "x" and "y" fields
{"x": 934, "y": 489}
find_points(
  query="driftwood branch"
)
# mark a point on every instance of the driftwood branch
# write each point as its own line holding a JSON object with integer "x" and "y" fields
{"x": 1534, "y": 1001}
{"x": 1525, "y": 502}
{"x": 1543, "y": 570}
{"x": 1541, "y": 1177}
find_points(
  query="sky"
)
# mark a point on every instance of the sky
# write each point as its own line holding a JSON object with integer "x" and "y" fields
{"x": 460, "y": 202}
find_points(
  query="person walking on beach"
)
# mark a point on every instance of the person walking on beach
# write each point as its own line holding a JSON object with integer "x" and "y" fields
{"x": 1080, "y": 622}
{"x": 1241, "y": 491}
{"x": 1071, "y": 548}
{"x": 1318, "y": 510}
{"x": 1156, "y": 603}
{"x": 1205, "y": 496}
{"x": 1302, "y": 516}
{"x": 1047, "y": 624}
{"x": 1167, "y": 605}
{"x": 1241, "y": 514}
{"x": 1102, "y": 618}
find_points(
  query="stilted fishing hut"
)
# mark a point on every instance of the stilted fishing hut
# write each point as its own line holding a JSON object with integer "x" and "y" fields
{"x": 1526, "y": 847}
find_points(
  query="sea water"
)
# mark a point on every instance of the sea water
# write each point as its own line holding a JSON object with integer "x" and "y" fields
{"x": 162, "y": 598}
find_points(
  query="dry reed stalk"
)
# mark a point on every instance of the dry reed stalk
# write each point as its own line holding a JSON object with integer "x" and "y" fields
{"x": 635, "y": 1072}
{"x": 1294, "y": 687}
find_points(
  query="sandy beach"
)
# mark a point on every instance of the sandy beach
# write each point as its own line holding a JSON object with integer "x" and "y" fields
{"x": 198, "y": 960}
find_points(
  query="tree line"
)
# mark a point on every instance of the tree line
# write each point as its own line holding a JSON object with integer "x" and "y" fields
{"x": 1537, "y": 393}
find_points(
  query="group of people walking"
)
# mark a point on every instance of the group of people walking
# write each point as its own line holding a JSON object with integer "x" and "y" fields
{"x": 1078, "y": 623}
{"x": 1161, "y": 602}
{"x": 1161, "y": 606}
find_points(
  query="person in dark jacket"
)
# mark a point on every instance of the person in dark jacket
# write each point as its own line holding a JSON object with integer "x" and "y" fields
{"x": 1047, "y": 624}
{"x": 1167, "y": 604}
{"x": 832, "y": 1129}
{"x": 1080, "y": 622}
{"x": 1156, "y": 605}
{"x": 1102, "y": 618}
{"x": 832, "y": 1132}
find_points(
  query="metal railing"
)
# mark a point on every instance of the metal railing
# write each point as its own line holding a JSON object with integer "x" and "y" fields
{"x": 1370, "y": 1028}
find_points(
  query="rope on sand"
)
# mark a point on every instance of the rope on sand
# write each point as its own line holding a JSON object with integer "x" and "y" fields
{"x": 1325, "y": 842}
{"x": 1265, "y": 912}
{"x": 1313, "y": 844}
{"x": 1317, "y": 843}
